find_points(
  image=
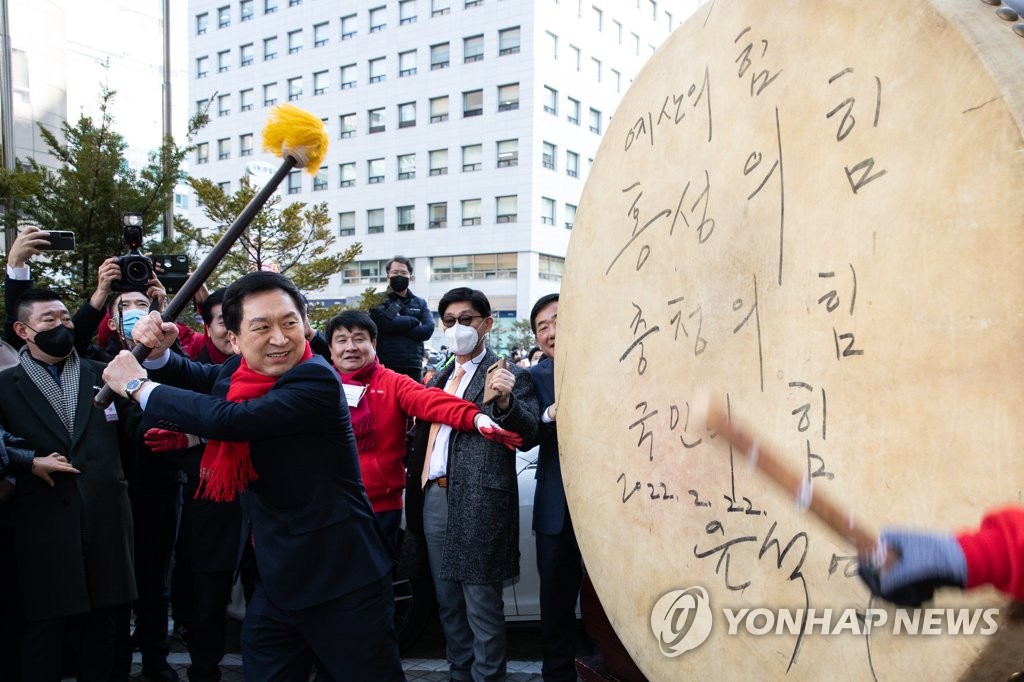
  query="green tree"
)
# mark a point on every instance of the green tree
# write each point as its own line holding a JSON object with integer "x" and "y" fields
{"x": 295, "y": 240}
{"x": 89, "y": 191}
{"x": 516, "y": 335}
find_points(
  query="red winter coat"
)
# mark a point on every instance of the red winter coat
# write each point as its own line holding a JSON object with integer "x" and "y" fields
{"x": 393, "y": 398}
{"x": 995, "y": 553}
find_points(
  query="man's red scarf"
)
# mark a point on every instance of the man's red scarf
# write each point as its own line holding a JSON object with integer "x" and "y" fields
{"x": 226, "y": 468}
{"x": 363, "y": 426}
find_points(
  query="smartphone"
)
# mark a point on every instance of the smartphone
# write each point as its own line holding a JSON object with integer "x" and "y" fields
{"x": 60, "y": 240}
{"x": 175, "y": 269}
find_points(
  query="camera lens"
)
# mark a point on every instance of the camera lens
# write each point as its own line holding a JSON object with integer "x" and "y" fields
{"x": 137, "y": 271}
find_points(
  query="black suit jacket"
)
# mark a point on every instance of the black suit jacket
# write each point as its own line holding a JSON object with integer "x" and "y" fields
{"x": 312, "y": 528}
{"x": 74, "y": 540}
{"x": 549, "y": 505}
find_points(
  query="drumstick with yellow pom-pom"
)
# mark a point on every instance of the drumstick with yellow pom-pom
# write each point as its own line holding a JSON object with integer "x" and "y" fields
{"x": 299, "y": 138}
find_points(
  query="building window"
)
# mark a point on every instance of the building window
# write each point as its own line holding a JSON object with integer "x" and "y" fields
{"x": 202, "y": 105}
{"x": 295, "y": 41}
{"x": 245, "y": 99}
{"x": 375, "y": 221}
{"x": 507, "y": 211}
{"x": 406, "y": 63}
{"x": 550, "y": 100}
{"x": 375, "y": 119}
{"x": 245, "y": 54}
{"x": 294, "y": 88}
{"x": 570, "y": 216}
{"x": 438, "y": 109}
{"x": 203, "y": 152}
{"x": 365, "y": 272}
{"x": 347, "y": 174}
{"x": 378, "y": 19}
{"x": 407, "y": 115}
{"x": 347, "y": 224}
{"x": 320, "y": 82}
{"x": 223, "y": 17}
{"x": 320, "y": 35}
{"x": 438, "y": 215}
{"x": 223, "y": 105}
{"x": 269, "y": 48}
{"x": 406, "y": 217}
{"x": 636, "y": 44}
{"x": 440, "y": 7}
{"x": 597, "y": 68}
{"x": 551, "y": 268}
{"x": 439, "y": 56}
{"x": 547, "y": 211}
{"x": 477, "y": 266}
{"x": 348, "y": 76}
{"x": 269, "y": 94}
{"x": 508, "y": 97}
{"x": 202, "y": 66}
{"x": 223, "y": 61}
{"x": 375, "y": 171}
{"x": 348, "y": 27}
{"x": 572, "y": 164}
{"x": 595, "y": 121}
{"x": 294, "y": 3}
{"x": 269, "y": 6}
{"x": 552, "y": 40}
{"x": 473, "y": 3}
{"x": 245, "y": 10}
{"x": 295, "y": 182}
{"x": 202, "y": 23}
{"x": 574, "y": 111}
{"x": 472, "y": 157}
{"x": 598, "y": 18}
{"x": 320, "y": 180}
{"x": 225, "y": 187}
{"x": 472, "y": 49}
{"x": 377, "y": 67}
{"x": 180, "y": 201}
{"x": 577, "y": 56}
{"x": 470, "y": 211}
{"x": 508, "y": 153}
{"x": 224, "y": 148}
{"x": 406, "y": 166}
{"x": 617, "y": 77}
{"x": 245, "y": 144}
{"x": 406, "y": 12}
{"x": 347, "y": 125}
{"x": 548, "y": 155}
{"x": 618, "y": 31}
{"x": 472, "y": 103}
{"x": 439, "y": 162}
{"x": 508, "y": 41}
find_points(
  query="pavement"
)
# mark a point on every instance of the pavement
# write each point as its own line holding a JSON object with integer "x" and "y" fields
{"x": 423, "y": 661}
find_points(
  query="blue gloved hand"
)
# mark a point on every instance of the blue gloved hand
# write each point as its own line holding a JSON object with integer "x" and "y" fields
{"x": 917, "y": 563}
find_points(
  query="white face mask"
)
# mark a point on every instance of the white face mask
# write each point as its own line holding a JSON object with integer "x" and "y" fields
{"x": 461, "y": 339}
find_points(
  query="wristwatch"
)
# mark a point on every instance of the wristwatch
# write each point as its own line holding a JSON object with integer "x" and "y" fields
{"x": 133, "y": 385}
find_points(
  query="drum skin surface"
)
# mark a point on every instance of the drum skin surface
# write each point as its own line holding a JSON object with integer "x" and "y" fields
{"x": 815, "y": 211}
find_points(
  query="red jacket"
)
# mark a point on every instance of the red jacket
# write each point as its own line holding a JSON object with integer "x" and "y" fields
{"x": 995, "y": 553}
{"x": 393, "y": 398}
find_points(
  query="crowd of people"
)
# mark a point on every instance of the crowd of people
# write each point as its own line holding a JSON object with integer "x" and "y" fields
{"x": 265, "y": 451}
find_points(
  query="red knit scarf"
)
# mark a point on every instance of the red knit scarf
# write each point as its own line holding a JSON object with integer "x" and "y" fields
{"x": 226, "y": 468}
{"x": 363, "y": 426}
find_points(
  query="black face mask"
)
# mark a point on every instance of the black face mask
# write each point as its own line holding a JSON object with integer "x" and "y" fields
{"x": 57, "y": 342}
{"x": 399, "y": 283}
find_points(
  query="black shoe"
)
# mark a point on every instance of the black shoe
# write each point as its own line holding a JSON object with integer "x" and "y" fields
{"x": 158, "y": 671}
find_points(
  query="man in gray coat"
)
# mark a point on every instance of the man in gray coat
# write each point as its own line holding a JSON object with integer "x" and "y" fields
{"x": 470, "y": 492}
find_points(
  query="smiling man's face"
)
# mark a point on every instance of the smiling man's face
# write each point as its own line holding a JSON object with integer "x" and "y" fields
{"x": 271, "y": 337}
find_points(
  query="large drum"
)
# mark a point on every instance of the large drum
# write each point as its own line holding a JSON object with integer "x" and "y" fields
{"x": 815, "y": 210}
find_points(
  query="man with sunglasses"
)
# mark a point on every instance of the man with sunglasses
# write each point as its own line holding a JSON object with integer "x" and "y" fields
{"x": 467, "y": 489}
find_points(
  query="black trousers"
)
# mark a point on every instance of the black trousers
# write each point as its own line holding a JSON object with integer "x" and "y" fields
{"x": 561, "y": 573}
{"x": 94, "y": 634}
{"x": 208, "y": 626}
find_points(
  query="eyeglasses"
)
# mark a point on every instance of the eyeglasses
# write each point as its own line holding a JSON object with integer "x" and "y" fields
{"x": 464, "y": 319}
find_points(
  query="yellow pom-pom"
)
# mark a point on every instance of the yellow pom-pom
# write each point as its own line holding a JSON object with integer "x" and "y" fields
{"x": 293, "y": 132}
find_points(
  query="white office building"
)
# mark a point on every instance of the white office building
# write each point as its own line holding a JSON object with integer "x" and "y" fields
{"x": 461, "y": 131}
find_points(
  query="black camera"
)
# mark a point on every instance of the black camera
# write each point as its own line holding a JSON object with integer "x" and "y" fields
{"x": 136, "y": 269}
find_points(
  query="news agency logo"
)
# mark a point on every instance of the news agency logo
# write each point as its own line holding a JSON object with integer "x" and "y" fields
{"x": 681, "y": 620}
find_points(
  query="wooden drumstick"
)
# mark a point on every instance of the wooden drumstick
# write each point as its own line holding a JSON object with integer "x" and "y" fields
{"x": 761, "y": 456}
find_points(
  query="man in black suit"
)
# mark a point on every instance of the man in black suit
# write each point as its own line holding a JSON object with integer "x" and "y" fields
{"x": 279, "y": 433}
{"x": 558, "y": 556}
{"x": 73, "y": 539}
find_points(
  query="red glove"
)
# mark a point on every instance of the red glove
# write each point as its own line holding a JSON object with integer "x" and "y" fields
{"x": 161, "y": 440}
{"x": 491, "y": 431}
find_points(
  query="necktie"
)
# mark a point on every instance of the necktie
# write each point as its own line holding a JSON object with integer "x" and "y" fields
{"x": 452, "y": 386}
